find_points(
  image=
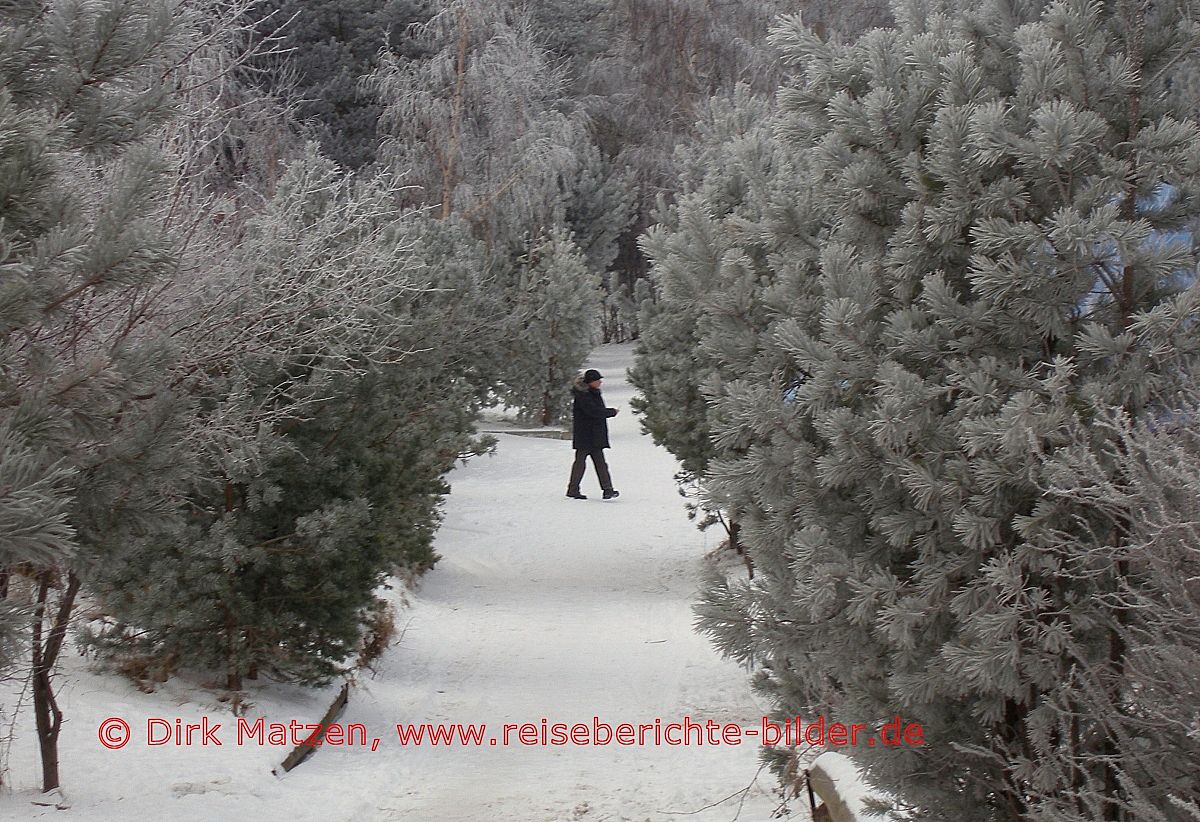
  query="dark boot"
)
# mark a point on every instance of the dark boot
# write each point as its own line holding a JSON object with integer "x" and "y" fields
{"x": 611, "y": 493}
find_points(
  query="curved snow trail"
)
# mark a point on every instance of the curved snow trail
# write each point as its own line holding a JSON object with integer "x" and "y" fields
{"x": 544, "y": 606}
{"x": 541, "y": 607}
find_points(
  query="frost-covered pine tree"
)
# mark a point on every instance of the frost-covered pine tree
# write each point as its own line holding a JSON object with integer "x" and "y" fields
{"x": 85, "y": 439}
{"x": 345, "y": 392}
{"x": 478, "y": 122}
{"x": 1143, "y": 477}
{"x": 225, "y": 425}
{"x": 710, "y": 269}
{"x": 597, "y": 207}
{"x": 482, "y": 126}
{"x": 999, "y": 193}
{"x": 556, "y": 303}
{"x": 662, "y": 61}
{"x": 722, "y": 181}
{"x": 328, "y": 46}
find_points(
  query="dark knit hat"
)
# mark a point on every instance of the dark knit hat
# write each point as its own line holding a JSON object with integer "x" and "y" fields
{"x": 591, "y": 375}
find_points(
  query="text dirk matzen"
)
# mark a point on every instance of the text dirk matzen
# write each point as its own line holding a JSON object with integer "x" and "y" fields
{"x": 115, "y": 733}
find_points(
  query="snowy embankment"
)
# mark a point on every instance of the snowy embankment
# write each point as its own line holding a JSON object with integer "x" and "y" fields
{"x": 541, "y": 607}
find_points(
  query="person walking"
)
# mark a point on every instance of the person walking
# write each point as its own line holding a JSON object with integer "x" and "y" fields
{"x": 589, "y": 418}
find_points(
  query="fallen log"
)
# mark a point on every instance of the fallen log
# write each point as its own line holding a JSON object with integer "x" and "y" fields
{"x": 305, "y": 749}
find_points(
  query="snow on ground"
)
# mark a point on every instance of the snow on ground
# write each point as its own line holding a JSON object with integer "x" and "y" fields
{"x": 542, "y": 607}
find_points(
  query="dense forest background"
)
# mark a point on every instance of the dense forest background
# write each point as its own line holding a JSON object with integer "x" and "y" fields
{"x": 913, "y": 286}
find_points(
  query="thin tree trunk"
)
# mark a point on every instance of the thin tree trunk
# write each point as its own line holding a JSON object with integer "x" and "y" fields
{"x": 233, "y": 677}
{"x": 1126, "y": 302}
{"x": 252, "y": 669}
{"x": 735, "y": 542}
{"x": 1116, "y": 661}
{"x": 449, "y": 170}
{"x": 547, "y": 397}
{"x": 47, "y": 714}
{"x": 1012, "y": 732}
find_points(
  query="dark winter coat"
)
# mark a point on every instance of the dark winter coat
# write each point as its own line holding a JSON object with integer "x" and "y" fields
{"x": 589, "y": 417}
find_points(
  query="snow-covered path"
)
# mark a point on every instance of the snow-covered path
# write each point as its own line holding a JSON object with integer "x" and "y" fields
{"x": 542, "y": 607}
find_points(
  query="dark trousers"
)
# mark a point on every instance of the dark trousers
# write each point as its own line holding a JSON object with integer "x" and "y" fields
{"x": 580, "y": 465}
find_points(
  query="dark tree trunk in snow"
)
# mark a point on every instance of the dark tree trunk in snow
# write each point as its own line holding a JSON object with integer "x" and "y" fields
{"x": 45, "y": 654}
